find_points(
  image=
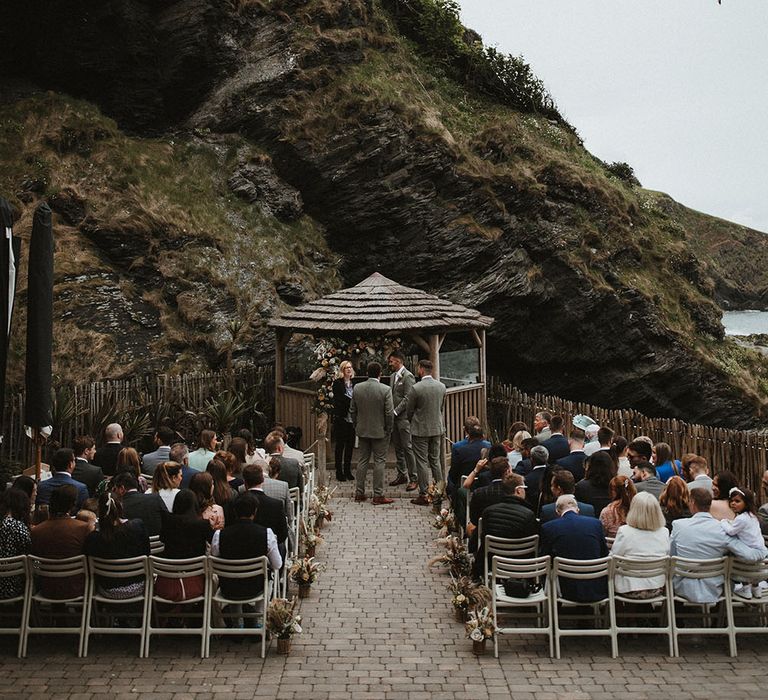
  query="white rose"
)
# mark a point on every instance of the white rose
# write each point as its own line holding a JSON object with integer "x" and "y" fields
{"x": 476, "y": 635}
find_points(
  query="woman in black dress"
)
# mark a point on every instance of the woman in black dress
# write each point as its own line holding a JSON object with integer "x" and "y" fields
{"x": 343, "y": 430}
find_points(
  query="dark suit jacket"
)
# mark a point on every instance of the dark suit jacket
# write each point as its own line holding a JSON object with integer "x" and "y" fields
{"x": 548, "y": 511}
{"x": 106, "y": 457}
{"x": 88, "y": 474}
{"x": 270, "y": 514}
{"x": 340, "y": 399}
{"x": 147, "y": 507}
{"x": 533, "y": 486}
{"x": 484, "y": 497}
{"x": 186, "y": 476}
{"x": 558, "y": 447}
{"x": 47, "y": 487}
{"x": 575, "y": 536}
{"x": 523, "y": 467}
{"x": 574, "y": 463}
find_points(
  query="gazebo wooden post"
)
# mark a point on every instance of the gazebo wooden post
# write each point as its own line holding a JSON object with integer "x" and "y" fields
{"x": 322, "y": 433}
{"x": 435, "y": 343}
{"x": 281, "y": 340}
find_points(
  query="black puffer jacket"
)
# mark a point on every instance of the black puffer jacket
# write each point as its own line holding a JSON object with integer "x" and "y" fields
{"x": 512, "y": 517}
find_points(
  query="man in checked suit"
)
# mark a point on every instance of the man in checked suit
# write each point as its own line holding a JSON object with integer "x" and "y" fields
{"x": 425, "y": 411}
{"x": 372, "y": 414}
{"x": 402, "y": 381}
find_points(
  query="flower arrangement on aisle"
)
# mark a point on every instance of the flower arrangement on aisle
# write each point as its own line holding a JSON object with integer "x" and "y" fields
{"x": 303, "y": 573}
{"x": 445, "y": 522}
{"x": 466, "y": 594}
{"x": 455, "y": 560}
{"x": 436, "y": 494}
{"x": 331, "y": 352}
{"x": 319, "y": 511}
{"x": 480, "y": 627}
{"x": 283, "y": 622}
{"x": 309, "y": 538}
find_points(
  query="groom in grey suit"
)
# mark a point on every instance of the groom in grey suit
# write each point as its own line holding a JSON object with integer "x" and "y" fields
{"x": 425, "y": 411}
{"x": 372, "y": 415}
{"x": 402, "y": 381}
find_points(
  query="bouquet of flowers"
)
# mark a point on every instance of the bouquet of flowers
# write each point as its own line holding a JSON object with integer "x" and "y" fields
{"x": 304, "y": 571}
{"x": 456, "y": 559}
{"x": 466, "y": 593}
{"x": 281, "y": 620}
{"x": 445, "y": 522}
{"x": 309, "y": 537}
{"x": 436, "y": 494}
{"x": 480, "y": 624}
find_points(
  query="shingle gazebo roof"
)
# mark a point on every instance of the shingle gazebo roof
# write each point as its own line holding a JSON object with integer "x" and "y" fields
{"x": 379, "y": 304}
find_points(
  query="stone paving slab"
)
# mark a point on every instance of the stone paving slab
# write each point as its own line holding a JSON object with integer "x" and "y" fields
{"x": 379, "y": 626}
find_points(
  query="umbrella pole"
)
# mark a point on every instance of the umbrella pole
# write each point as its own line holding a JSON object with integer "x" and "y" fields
{"x": 38, "y": 455}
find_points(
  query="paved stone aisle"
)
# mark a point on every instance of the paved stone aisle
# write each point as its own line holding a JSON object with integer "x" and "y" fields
{"x": 379, "y": 626}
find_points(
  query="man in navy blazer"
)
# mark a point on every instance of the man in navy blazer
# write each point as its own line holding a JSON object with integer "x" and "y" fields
{"x": 574, "y": 462}
{"x": 574, "y": 536}
{"x": 62, "y": 466}
{"x": 557, "y": 444}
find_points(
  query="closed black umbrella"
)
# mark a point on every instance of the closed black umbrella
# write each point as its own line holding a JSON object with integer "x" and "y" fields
{"x": 37, "y": 408}
{"x": 10, "y": 249}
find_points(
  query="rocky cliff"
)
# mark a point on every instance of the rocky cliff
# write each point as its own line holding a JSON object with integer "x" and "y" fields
{"x": 263, "y": 153}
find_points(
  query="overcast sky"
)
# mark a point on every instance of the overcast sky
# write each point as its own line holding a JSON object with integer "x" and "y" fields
{"x": 676, "y": 88}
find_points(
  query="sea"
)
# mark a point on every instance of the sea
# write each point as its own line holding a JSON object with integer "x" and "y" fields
{"x": 745, "y": 322}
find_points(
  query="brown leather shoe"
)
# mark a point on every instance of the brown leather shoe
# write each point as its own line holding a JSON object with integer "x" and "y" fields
{"x": 360, "y": 497}
{"x": 382, "y": 501}
{"x": 412, "y": 486}
{"x": 421, "y": 500}
{"x": 401, "y": 479}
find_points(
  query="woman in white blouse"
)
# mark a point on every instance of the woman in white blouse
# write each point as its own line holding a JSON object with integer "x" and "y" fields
{"x": 166, "y": 482}
{"x": 645, "y": 536}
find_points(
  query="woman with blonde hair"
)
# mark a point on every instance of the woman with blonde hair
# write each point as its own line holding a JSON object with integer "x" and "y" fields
{"x": 621, "y": 491}
{"x": 645, "y": 536}
{"x": 515, "y": 454}
{"x": 343, "y": 430}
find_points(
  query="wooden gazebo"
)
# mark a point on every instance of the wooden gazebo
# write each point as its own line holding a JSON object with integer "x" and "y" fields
{"x": 379, "y": 306}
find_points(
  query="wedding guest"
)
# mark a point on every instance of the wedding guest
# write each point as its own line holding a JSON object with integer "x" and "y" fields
{"x": 166, "y": 482}
{"x": 674, "y": 501}
{"x": 593, "y": 489}
{"x": 202, "y": 486}
{"x": 644, "y": 536}
{"x": 14, "y": 536}
{"x": 666, "y": 465}
{"x": 199, "y": 459}
{"x": 618, "y": 452}
{"x": 222, "y": 491}
{"x": 233, "y": 468}
{"x": 252, "y": 453}
{"x": 722, "y": 485}
{"x": 621, "y": 491}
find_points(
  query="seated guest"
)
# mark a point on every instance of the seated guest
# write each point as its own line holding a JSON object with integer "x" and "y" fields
{"x": 539, "y": 459}
{"x": 180, "y": 454}
{"x": 290, "y": 469}
{"x": 202, "y": 486}
{"x": 252, "y": 453}
{"x": 14, "y": 536}
{"x": 238, "y": 446}
{"x": 147, "y": 507}
{"x": 270, "y": 512}
{"x": 245, "y": 539}
{"x": 614, "y": 515}
{"x": 618, "y": 451}
{"x": 128, "y": 460}
{"x": 514, "y": 429}
{"x": 28, "y": 486}
{"x": 59, "y": 537}
{"x": 288, "y": 451}
{"x": 465, "y": 457}
{"x": 106, "y": 455}
{"x": 556, "y": 443}
{"x": 645, "y": 479}
{"x": 562, "y": 484}
{"x": 277, "y": 489}
{"x": 185, "y": 536}
{"x": 117, "y": 539}
{"x": 666, "y": 465}
{"x": 722, "y": 484}
{"x": 698, "y": 468}
{"x": 233, "y": 468}
{"x": 524, "y": 465}
{"x": 639, "y": 451}
{"x": 198, "y": 460}
{"x": 644, "y": 536}
{"x": 574, "y": 462}
{"x": 222, "y": 491}
{"x": 685, "y": 465}
{"x": 541, "y": 427}
{"x": 603, "y": 441}
{"x": 163, "y": 439}
{"x": 515, "y": 444}
{"x": 510, "y": 517}
{"x": 62, "y": 466}
{"x": 166, "y": 482}
{"x": 486, "y": 496}
{"x": 702, "y": 537}
{"x": 573, "y": 536}
{"x": 674, "y": 501}
{"x": 86, "y": 473}
{"x": 593, "y": 489}
{"x": 480, "y": 476}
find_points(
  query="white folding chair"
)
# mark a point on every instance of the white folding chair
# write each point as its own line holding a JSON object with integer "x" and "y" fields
{"x": 156, "y": 547}
{"x": 13, "y": 610}
{"x": 102, "y": 608}
{"x": 682, "y": 570}
{"x": 178, "y": 569}
{"x": 46, "y": 572}
{"x": 229, "y": 569}
{"x": 573, "y": 570}
{"x": 534, "y": 570}
{"x": 750, "y": 615}
{"x": 609, "y": 541}
{"x": 518, "y": 548}
{"x": 661, "y": 606}
{"x": 295, "y": 501}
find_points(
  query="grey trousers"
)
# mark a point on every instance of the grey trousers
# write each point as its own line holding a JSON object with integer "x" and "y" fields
{"x": 377, "y": 448}
{"x": 427, "y": 453}
{"x": 401, "y": 441}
